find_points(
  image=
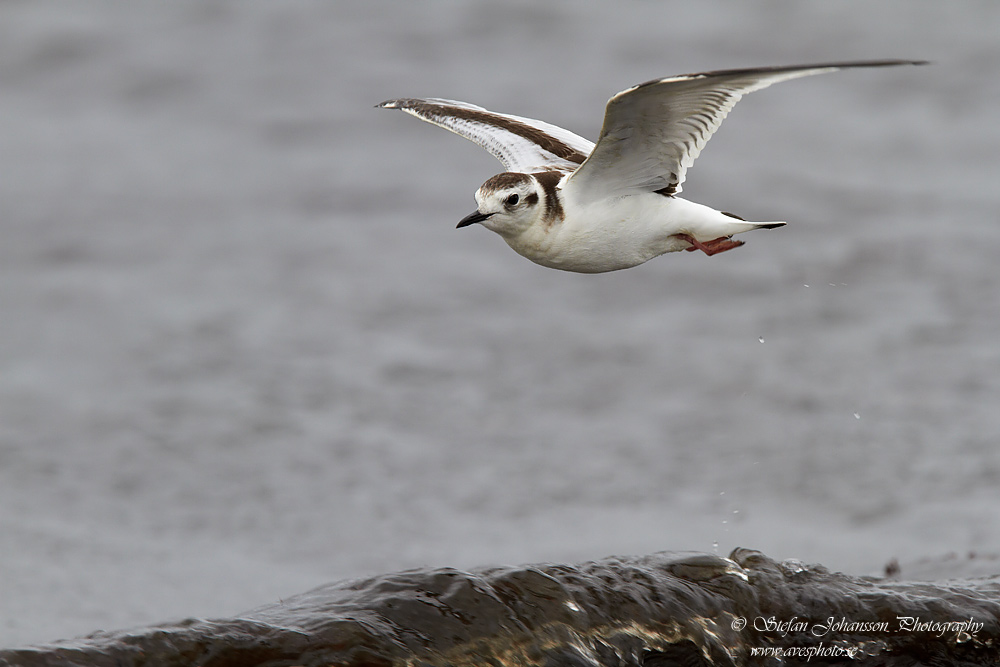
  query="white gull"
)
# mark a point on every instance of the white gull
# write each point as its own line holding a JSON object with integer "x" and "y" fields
{"x": 569, "y": 204}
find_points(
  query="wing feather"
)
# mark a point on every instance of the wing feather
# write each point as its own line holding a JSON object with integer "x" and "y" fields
{"x": 654, "y": 132}
{"x": 521, "y": 144}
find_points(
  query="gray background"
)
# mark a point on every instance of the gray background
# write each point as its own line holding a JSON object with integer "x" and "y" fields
{"x": 243, "y": 350}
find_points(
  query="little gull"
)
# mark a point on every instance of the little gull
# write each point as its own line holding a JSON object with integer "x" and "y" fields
{"x": 569, "y": 204}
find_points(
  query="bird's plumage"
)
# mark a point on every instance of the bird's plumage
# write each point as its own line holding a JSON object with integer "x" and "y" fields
{"x": 575, "y": 210}
{"x": 521, "y": 144}
{"x": 653, "y": 132}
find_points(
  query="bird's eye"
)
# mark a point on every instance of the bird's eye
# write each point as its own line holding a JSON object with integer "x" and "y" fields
{"x": 511, "y": 200}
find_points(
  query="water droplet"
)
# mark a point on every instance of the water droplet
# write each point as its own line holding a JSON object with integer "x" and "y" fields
{"x": 805, "y": 285}
{"x": 857, "y": 416}
{"x": 722, "y": 493}
{"x": 761, "y": 339}
{"x": 736, "y": 511}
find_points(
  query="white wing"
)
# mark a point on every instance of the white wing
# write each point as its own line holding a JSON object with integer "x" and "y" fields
{"x": 654, "y": 131}
{"x": 521, "y": 144}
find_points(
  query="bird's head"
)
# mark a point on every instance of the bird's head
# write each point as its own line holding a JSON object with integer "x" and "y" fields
{"x": 509, "y": 203}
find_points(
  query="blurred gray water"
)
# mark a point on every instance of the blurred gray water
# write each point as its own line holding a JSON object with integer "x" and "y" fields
{"x": 243, "y": 350}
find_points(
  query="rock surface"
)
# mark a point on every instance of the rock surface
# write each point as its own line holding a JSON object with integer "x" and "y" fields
{"x": 662, "y": 609}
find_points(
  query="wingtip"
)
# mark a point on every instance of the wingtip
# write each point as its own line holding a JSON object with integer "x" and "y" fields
{"x": 402, "y": 103}
{"x": 827, "y": 66}
{"x": 885, "y": 63}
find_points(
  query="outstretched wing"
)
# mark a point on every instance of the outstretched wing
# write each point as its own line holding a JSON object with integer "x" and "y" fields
{"x": 521, "y": 144}
{"x": 654, "y": 131}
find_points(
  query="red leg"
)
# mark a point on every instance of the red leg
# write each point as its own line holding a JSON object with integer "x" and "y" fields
{"x": 713, "y": 247}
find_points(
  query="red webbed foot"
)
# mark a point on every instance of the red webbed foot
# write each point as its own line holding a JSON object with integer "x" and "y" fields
{"x": 713, "y": 247}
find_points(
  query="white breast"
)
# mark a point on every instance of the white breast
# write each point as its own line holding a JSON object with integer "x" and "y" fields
{"x": 607, "y": 235}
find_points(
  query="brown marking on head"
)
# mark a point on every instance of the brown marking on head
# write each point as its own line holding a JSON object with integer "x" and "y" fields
{"x": 507, "y": 179}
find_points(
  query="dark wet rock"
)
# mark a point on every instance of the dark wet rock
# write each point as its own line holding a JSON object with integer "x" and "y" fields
{"x": 663, "y": 609}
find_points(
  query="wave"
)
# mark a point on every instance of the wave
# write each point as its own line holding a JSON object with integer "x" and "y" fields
{"x": 663, "y": 609}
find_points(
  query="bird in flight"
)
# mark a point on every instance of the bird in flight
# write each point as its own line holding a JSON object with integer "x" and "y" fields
{"x": 569, "y": 204}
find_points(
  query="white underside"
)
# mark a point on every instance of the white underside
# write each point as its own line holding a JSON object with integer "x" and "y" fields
{"x": 623, "y": 232}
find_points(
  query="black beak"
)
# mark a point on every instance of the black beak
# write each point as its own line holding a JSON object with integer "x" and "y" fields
{"x": 473, "y": 219}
